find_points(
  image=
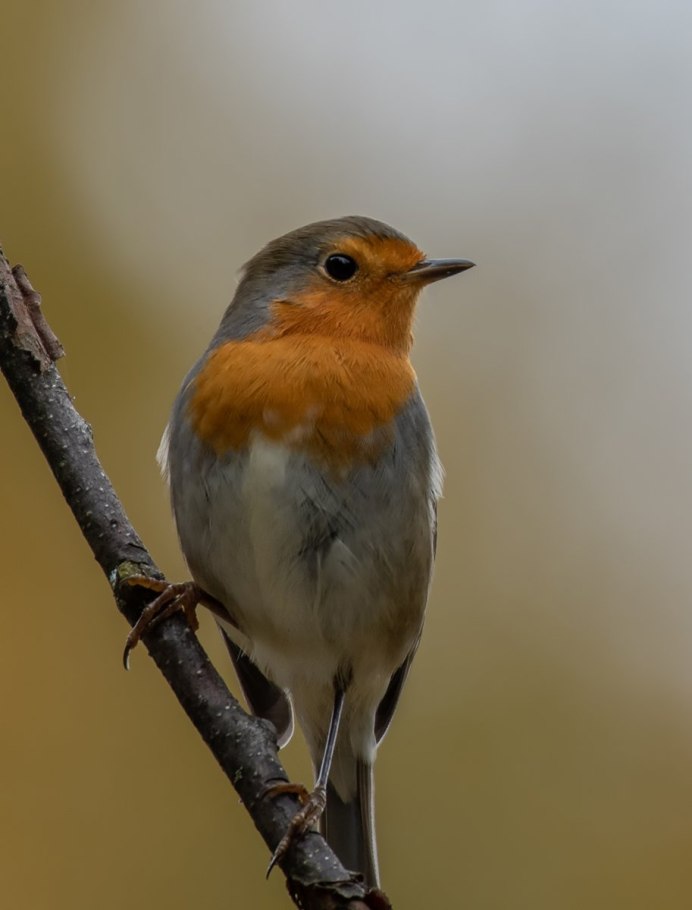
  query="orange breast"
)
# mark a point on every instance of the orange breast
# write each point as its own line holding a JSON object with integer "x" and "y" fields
{"x": 334, "y": 399}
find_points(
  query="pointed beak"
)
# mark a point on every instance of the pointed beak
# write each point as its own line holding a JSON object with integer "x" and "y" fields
{"x": 430, "y": 270}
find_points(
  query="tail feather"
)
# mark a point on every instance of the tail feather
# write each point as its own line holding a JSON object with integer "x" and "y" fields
{"x": 349, "y": 827}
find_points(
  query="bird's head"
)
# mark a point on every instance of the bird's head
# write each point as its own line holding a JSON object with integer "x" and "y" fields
{"x": 351, "y": 277}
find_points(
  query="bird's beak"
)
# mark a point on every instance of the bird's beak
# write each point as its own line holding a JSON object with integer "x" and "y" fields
{"x": 429, "y": 270}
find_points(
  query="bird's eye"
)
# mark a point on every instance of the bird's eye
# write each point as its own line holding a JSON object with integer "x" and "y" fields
{"x": 340, "y": 267}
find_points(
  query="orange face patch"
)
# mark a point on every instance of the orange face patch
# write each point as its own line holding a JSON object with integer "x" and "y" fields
{"x": 375, "y": 306}
{"x": 334, "y": 401}
{"x": 380, "y": 256}
{"x": 329, "y": 372}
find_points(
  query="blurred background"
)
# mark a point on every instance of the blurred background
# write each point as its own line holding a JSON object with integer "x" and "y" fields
{"x": 542, "y": 754}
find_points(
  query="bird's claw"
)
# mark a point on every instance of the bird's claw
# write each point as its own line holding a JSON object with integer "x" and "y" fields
{"x": 171, "y": 598}
{"x": 305, "y": 818}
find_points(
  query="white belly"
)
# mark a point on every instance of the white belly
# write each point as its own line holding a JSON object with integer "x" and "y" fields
{"x": 305, "y": 614}
{"x": 280, "y": 603}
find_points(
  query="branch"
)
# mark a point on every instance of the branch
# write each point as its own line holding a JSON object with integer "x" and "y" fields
{"x": 243, "y": 745}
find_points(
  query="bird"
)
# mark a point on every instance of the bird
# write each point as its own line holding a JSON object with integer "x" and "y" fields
{"x": 304, "y": 481}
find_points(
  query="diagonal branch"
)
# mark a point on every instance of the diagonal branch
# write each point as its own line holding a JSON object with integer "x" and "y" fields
{"x": 244, "y": 746}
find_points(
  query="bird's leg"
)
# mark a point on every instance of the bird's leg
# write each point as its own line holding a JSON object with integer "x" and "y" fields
{"x": 313, "y": 803}
{"x": 184, "y": 596}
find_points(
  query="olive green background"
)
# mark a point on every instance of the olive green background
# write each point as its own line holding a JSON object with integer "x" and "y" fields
{"x": 542, "y": 755}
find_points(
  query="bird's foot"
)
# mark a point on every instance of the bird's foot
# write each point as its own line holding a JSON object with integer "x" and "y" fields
{"x": 305, "y": 818}
{"x": 171, "y": 598}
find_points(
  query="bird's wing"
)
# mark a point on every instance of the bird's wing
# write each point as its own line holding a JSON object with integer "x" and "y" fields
{"x": 264, "y": 698}
{"x": 386, "y": 708}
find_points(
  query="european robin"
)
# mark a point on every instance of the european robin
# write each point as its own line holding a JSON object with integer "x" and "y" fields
{"x": 304, "y": 481}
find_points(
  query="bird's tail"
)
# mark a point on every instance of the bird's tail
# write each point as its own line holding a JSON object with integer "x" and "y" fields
{"x": 349, "y": 827}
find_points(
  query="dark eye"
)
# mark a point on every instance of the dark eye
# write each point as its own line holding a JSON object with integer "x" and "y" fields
{"x": 340, "y": 267}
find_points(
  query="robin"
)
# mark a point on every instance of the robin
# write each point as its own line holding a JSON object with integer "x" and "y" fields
{"x": 304, "y": 481}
